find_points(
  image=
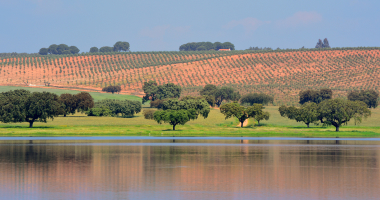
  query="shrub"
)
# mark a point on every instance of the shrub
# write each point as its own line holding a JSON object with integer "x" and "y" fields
{"x": 149, "y": 114}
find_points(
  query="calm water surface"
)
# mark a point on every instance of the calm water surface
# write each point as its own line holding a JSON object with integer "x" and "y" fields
{"x": 189, "y": 168}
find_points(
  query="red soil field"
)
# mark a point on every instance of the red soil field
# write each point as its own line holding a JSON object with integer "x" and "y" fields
{"x": 282, "y": 74}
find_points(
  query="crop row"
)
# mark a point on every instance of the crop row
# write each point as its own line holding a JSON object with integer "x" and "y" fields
{"x": 283, "y": 74}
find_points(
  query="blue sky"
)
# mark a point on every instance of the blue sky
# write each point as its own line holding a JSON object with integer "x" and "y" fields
{"x": 163, "y": 25}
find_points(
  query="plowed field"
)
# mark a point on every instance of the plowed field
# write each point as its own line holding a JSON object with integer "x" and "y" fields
{"x": 282, "y": 74}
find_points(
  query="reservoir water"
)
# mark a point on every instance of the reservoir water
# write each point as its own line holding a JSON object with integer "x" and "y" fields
{"x": 188, "y": 168}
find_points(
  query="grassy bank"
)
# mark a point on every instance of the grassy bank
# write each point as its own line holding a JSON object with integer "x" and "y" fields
{"x": 214, "y": 125}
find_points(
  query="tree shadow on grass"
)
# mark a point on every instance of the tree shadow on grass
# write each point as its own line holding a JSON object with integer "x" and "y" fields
{"x": 27, "y": 127}
{"x": 171, "y": 130}
{"x": 313, "y": 127}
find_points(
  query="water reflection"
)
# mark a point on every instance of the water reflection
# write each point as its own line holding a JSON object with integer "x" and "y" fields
{"x": 188, "y": 169}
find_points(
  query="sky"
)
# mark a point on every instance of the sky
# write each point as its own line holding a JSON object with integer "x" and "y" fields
{"x": 163, "y": 25}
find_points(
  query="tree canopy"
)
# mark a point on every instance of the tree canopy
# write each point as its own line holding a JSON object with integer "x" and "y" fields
{"x": 175, "y": 117}
{"x": 84, "y": 101}
{"x": 259, "y": 98}
{"x": 219, "y": 94}
{"x": 324, "y": 44}
{"x": 69, "y": 104}
{"x": 307, "y": 113}
{"x": 154, "y": 91}
{"x": 59, "y": 50}
{"x": 340, "y": 111}
{"x": 240, "y": 112}
{"x": 369, "y": 97}
{"x": 121, "y": 46}
{"x": 106, "y": 49}
{"x": 200, "y": 105}
{"x": 112, "y": 89}
{"x": 206, "y": 46}
{"x": 315, "y": 95}
{"x": 125, "y": 108}
{"x": 94, "y": 50}
{"x": 23, "y": 106}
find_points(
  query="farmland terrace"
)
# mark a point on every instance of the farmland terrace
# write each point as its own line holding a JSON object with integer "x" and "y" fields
{"x": 280, "y": 73}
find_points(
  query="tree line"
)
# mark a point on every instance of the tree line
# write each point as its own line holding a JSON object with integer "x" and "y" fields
{"x": 175, "y": 110}
{"x": 24, "y": 106}
{"x": 61, "y": 49}
{"x": 64, "y": 49}
{"x": 206, "y": 46}
{"x": 117, "y": 47}
{"x": 319, "y": 107}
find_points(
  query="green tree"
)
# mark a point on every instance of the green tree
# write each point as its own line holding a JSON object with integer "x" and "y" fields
{"x": 260, "y": 98}
{"x": 240, "y": 112}
{"x": 226, "y": 94}
{"x": 126, "y": 108}
{"x": 200, "y": 105}
{"x": 121, "y": 46}
{"x": 23, "y": 106}
{"x": 106, "y": 49}
{"x": 62, "y": 48}
{"x": 153, "y": 91}
{"x": 315, "y": 95}
{"x": 66, "y": 52}
{"x": 307, "y": 113}
{"x": 340, "y": 111}
{"x": 262, "y": 116}
{"x": 43, "y": 51}
{"x": 69, "y": 103}
{"x": 84, "y": 101}
{"x": 209, "y": 89}
{"x": 74, "y": 49}
{"x": 94, "y": 50}
{"x": 369, "y": 97}
{"x": 99, "y": 112}
{"x": 228, "y": 45}
{"x": 175, "y": 117}
{"x": 53, "y": 49}
{"x": 150, "y": 89}
{"x": 112, "y": 89}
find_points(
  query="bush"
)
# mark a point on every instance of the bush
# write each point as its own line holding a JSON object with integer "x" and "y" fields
{"x": 159, "y": 103}
{"x": 112, "y": 89}
{"x": 126, "y": 108}
{"x": 149, "y": 114}
{"x": 256, "y": 98}
{"x": 103, "y": 111}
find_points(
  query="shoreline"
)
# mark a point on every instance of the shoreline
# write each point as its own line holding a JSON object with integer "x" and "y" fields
{"x": 189, "y": 131}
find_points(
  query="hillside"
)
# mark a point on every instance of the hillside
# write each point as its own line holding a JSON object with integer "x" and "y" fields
{"x": 280, "y": 73}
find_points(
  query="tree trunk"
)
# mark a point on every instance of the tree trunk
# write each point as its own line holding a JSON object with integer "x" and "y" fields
{"x": 31, "y": 124}
{"x": 64, "y": 115}
{"x": 308, "y": 125}
{"x": 173, "y": 127}
{"x": 337, "y": 128}
{"x": 241, "y": 124}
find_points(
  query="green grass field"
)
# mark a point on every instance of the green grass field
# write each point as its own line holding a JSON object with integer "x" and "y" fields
{"x": 214, "y": 125}
{"x": 96, "y": 95}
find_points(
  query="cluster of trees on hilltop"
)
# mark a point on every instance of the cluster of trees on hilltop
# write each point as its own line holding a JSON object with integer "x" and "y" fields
{"x": 324, "y": 44}
{"x": 24, "y": 106}
{"x": 117, "y": 47}
{"x": 206, "y": 46}
{"x": 319, "y": 107}
{"x": 59, "y": 50}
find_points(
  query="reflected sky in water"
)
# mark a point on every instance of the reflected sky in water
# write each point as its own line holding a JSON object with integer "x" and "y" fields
{"x": 188, "y": 168}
